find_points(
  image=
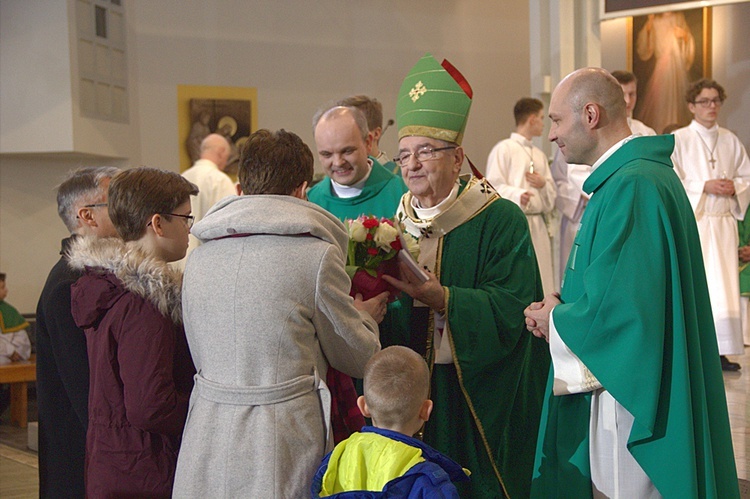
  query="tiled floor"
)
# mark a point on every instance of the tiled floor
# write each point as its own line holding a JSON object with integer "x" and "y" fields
{"x": 18, "y": 468}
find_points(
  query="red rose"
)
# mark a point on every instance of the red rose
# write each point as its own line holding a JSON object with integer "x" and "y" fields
{"x": 396, "y": 244}
{"x": 369, "y": 223}
{"x": 372, "y": 251}
{"x": 369, "y": 236}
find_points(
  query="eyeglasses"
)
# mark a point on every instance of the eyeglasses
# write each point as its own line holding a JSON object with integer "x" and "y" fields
{"x": 95, "y": 205}
{"x": 707, "y": 102}
{"x": 189, "y": 219}
{"x": 423, "y": 154}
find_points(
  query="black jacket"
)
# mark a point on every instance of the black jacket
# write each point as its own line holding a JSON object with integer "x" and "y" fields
{"x": 62, "y": 373}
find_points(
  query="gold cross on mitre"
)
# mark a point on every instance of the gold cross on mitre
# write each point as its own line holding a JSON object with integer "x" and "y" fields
{"x": 416, "y": 92}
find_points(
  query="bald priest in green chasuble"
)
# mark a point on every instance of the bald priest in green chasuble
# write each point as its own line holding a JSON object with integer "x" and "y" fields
{"x": 635, "y": 404}
{"x": 466, "y": 318}
{"x": 354, "y": 184}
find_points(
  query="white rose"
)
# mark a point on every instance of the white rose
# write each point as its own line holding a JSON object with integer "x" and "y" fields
{"x": 385, "y": 235}
{"x": 357, "y": 231}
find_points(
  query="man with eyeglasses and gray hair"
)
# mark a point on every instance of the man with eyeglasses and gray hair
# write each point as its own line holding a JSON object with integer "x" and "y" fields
{"x": 715, "y": 170}
{"x": 62, "y": 375}
{"x": 465, "y": 315}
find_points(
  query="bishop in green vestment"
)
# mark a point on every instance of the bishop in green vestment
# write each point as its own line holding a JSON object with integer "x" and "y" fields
{"x": 488, "y": 373}
{"x": 633, "y": 323}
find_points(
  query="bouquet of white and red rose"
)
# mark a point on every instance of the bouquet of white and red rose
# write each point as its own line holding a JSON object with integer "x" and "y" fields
{"x": 374, "y": 244}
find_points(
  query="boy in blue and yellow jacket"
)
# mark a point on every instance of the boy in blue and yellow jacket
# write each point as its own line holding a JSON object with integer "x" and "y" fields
{"x": 384, "y": 460}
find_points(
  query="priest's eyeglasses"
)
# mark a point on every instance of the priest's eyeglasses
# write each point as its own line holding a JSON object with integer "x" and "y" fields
{"x": 189, "y": 219}
{"x": 707, "y": 102}
{"x": 423, "y": 154}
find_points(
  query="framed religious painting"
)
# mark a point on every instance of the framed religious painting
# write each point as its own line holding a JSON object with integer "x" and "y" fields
{"x": 667, "y": 52}
{"x": 202, "y": 110}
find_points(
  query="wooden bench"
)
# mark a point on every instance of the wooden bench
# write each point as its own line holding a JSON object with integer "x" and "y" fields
{"x": 19, "y": 374}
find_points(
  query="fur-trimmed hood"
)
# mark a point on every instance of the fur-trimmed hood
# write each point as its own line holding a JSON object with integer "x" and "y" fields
{"x": 137, "y": 272}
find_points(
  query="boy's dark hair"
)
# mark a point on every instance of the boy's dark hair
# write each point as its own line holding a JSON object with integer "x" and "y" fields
{"x": 624, "y": 77}
{"x": 138, "y": 194}
{"x": 274, "y": 163}
{"x": 526, "y": 107}
{"x": 698, "y": 86}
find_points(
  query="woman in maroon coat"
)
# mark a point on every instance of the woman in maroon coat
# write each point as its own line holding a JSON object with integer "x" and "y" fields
{"x": 128, "y": 304}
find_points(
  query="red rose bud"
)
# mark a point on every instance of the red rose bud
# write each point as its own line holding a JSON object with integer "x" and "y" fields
{"x": 372, "y": 251}
{"x": 370, "y": 223}
{"x": 369, "y": 236}
{"x": 396, "y": 244}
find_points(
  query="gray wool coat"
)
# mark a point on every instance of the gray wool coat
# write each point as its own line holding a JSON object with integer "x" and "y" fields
{"x": 266, "y": 310}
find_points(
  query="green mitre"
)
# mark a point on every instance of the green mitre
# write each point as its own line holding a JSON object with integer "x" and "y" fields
{"x": 434, "y": 101}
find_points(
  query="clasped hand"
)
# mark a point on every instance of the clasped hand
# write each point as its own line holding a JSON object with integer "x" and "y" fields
{"x": 537, "y": 315}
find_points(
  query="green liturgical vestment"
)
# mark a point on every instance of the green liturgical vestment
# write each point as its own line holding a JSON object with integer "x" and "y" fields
{"x": 635, "y": 310}
{"x": 487, "y": 403}
{"x": 743, "y": 227}
{"x": 379, "y": 197}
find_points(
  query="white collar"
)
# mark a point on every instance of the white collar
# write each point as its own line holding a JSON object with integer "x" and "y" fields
{"x": 521, "y": 139}
{"x": 428, "y": 213}
{"x": 708, "y": 132}
{"x": 350, "y": 191}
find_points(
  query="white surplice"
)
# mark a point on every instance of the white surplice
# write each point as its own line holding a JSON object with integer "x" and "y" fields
{"x": 717, "y": 218}
{"x": 638, "y": 127}
{"x": 570, "y": 201}
{"x": 507, "y": 165}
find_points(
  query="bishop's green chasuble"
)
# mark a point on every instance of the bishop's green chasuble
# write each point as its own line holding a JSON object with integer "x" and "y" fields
{"x": 635, "y": 310}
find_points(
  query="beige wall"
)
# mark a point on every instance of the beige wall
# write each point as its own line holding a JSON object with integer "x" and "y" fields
{"x": 298, "y": 54}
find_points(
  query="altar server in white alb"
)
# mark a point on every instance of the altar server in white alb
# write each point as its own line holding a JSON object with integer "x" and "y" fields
{"x": 713, "y": 165}
{"x": 519, "y": 172}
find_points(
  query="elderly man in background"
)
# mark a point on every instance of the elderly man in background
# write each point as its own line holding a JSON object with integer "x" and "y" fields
{"x": 213, "y": 184}
{"x": 62, "y": 365}
{"x": 636, "y": 387}
{"x": 466, "y": 314}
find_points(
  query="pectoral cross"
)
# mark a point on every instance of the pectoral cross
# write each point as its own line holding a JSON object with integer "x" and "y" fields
{"x": 713, "y": 162}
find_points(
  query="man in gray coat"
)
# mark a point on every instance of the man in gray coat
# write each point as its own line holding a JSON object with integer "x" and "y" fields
{"x": 266, "y": 310}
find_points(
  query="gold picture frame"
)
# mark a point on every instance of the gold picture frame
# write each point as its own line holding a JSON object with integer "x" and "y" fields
{"x": 202, "y": 109}
{"x": 667, "y": 51}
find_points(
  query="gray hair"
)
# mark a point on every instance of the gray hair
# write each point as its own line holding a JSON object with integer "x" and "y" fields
{"x": 328, "y": 112}
{"x": 81, "y": 186}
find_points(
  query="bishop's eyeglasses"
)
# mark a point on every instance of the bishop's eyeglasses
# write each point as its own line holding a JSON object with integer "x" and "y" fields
{"x": 422, "y": 154}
